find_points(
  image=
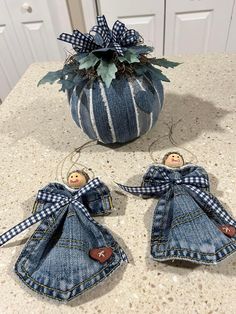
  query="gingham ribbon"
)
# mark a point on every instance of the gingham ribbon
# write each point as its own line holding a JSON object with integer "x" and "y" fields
{"x": 58, "y": 201}
{"x": 119, "y": 37}
{"x": 194, "y": 184}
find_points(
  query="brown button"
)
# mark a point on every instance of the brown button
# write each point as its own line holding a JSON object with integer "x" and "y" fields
{"x": 230, "y": 231}
{"x": 101, "y": 254}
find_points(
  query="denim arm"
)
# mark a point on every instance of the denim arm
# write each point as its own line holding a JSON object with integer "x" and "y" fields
{"x": 98, "y": 200}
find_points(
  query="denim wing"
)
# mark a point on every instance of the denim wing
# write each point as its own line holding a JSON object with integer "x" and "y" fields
{"x": 98, "y": 201}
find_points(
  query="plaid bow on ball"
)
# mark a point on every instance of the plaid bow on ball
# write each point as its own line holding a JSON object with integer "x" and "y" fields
{"x": 118, "y": 38}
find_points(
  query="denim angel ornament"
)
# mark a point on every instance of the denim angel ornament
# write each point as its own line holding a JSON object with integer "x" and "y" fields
{"x": 189, "y": 223}
{"x": 69, "y": 252}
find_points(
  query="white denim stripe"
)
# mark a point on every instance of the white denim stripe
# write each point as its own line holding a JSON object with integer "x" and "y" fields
{"x": 135, "y": 108}
{"x": 93, "y": 122}
{"x": 151, "y": 113}
{"x": 106, "y": 105}
{"x": 78, "y": 105}
{"x": 158, "y": 97}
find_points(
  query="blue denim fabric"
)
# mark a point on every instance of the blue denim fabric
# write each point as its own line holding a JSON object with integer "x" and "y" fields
{"x": 55, "y": 261}
{"x": 126, "y": 110}
{"x": 182, "y": 227}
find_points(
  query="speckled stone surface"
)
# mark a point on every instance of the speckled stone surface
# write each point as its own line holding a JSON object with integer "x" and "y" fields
{"x": 37, "y": 132}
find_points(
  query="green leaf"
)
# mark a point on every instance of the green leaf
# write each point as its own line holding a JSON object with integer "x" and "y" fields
{"x": 164, "y": 63}
{"x": 88, "y": 61}
{"x": 70, "y": 77}
{"x": 157, "y": 73}
{"x": 144, "y": 68}
{"x": 80, "y": 56}
{"x": 129, "y": 57}
{"x": 77, "y": 79}
{"x": 51, "y": 77}
{"x": 107, "y": 71}
{"x": 70, "y": 68}
{"x": 140, "y": 69}
{"x": 141, "y": 49}
{"x": 66, "y": 84}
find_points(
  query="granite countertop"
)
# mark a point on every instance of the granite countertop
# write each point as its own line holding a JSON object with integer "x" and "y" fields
{"x": 37, "y": 132}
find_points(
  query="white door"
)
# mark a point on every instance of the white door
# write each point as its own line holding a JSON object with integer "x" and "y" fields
{"x": 231, "y": 42}
{"x": 147, "y": 17}
{"x": 28, "y": 33}
{"x": 197, "y": 26}
{"x": 12, "y": 61}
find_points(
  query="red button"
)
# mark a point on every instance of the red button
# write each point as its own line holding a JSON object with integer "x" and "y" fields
{"x": 230, "y": 231}
{"x": 101, "y": 254}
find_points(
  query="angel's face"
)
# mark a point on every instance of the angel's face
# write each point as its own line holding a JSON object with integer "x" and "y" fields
{"x": 76, "y": 180}
{"x": 174, "y": 161}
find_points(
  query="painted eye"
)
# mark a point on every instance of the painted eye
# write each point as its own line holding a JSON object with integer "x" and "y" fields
{"x": 76, "y": 176}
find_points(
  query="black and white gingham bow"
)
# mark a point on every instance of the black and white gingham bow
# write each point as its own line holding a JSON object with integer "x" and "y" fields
{"x": 58, "y": 201}
{"x": 194, "y": 183}
{"x": 119, "y": 37}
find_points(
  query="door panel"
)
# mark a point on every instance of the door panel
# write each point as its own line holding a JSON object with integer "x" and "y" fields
{"x": 28, "y": 33}
{"x": 186, "y": 24}
{"x": 196, "y": 26}
{"x": 146, "y": 17}
{"x": 231, "y": 43}
{"x": 34, "y": 30}
{"x": 12, "y": 63}
{"x": 144, "y": 24}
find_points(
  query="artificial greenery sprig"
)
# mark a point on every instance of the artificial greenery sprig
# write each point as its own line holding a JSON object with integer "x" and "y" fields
{"x": 108, "y": 64}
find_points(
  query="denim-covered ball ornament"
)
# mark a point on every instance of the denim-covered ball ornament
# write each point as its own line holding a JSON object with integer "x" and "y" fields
{"x": 125, "y": 110}
{"x": 114, "y": 88}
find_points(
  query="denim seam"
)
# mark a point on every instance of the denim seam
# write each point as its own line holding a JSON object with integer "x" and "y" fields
{"x": 193, "y": 214}
{"x": 189, "y": 250}
{"x": 70, "y": 215}
{"x": 28, "y": 276}
{"x": 161, "y": 219}
{"x": 55, "y": 298}
{"x": 195, "y": 259}
{"x": 187, "y": 219}
{"x": 191, "y": 258}
{"x": 69, "y": 246}
{"x": 48, "y": 227}
{"x": 103, "y": 200}
{"x": 69, "y": 290}
{"x": 72, "y": 247}
{"x": 104, "y": 208}
{"x": 64, "y": 239}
